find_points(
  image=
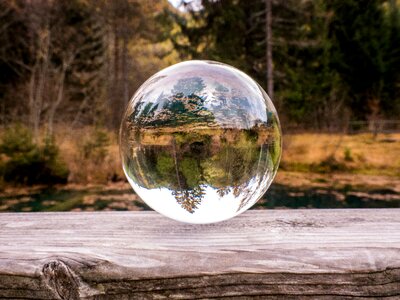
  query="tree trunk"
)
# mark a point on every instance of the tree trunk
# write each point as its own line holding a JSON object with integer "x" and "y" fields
{"x": 57, "y": 102}
{"x": 269, "y": 63}
{"x": 374, "y": 106}
{"x": 125, "y": 78}
{"x": 38, "y": 79}
{"x": 116, "y": 86}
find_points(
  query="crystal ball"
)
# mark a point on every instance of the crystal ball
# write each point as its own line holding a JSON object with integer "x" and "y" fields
{"x": 200, "y": 142}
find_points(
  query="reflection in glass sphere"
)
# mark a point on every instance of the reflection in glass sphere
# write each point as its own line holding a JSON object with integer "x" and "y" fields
{"x": 200, "y": 142}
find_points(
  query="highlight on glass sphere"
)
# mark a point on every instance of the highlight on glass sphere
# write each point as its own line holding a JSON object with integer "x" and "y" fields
{"x": 200, "y": 142}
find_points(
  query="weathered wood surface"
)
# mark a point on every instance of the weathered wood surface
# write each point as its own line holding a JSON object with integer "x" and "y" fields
{"x": 288, "y": 254}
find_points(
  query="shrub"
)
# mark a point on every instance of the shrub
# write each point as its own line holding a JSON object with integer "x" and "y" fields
{"x": 328, "y": 165}
{"x": 25, "y": 162}
{"x": 93, "y": 161}
{"x": 347, "y": 154}
{"x": 95, "y": 147}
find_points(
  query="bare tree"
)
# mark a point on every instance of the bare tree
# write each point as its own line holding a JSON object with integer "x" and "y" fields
{"x": 58, "y": 48}
{"x": 40, "y": 37}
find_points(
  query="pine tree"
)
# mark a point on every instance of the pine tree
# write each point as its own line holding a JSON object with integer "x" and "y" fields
{"x": 234, "y": 32}
{"x": 364, "y": 56}
{"x": 189, "y": 199}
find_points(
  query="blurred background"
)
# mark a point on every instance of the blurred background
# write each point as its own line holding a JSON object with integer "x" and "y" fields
{"x": 69, "y": 68}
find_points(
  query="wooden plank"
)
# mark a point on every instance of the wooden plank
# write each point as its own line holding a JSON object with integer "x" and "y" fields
{"x": 288, "y": 254}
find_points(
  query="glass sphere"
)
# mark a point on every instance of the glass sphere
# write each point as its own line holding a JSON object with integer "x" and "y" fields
{"x": 200, "y": 142}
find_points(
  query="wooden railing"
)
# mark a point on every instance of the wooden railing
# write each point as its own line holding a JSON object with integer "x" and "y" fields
{"x": 285, "y": 254}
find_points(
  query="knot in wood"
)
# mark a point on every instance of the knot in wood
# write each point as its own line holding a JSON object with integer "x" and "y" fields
{"x": 61, "y": 280}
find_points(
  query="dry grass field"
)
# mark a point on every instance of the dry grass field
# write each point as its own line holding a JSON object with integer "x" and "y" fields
{"x": 92, "y": 155}
{"x": 307, "y": 152}
{"x": 356, "y": 154}
{"x": 317, "y": 170}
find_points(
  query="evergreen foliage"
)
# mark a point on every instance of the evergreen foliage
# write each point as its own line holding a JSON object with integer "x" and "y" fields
{"x": 25, "y": 162}
{"x": 333, "y": 59}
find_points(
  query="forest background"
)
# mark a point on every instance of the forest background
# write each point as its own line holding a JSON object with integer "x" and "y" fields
{"x": 69, "y": 68}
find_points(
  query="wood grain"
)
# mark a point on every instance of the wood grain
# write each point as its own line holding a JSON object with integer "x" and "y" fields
{"x": 274, "y": 254}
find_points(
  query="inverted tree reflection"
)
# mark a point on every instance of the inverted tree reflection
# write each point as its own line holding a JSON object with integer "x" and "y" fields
{"x": 190, "y": 140}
